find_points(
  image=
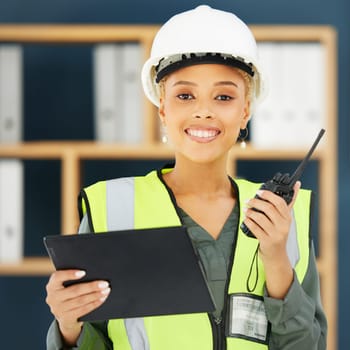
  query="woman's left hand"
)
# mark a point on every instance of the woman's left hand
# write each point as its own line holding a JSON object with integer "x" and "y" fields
{"x": 270, "y": 225}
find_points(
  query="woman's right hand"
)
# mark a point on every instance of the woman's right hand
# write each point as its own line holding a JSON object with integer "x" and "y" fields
{"x": 68, "y": 304}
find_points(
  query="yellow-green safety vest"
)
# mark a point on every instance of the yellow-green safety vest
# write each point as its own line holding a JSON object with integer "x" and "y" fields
{"x": 146, "y": 202}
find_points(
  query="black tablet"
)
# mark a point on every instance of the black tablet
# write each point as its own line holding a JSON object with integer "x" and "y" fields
{"x": 150, "y": 271}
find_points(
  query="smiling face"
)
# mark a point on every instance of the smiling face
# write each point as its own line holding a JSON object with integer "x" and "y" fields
{"x": 203, "y": 107}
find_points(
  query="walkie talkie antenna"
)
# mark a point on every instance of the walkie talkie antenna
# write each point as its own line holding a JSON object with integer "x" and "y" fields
{"x": 295, "y": 177}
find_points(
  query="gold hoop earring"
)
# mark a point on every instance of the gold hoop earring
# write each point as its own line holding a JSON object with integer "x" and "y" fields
{"x": 243, "y": 134}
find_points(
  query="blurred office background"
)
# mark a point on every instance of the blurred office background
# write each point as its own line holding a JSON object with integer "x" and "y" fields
{"x": 25, "y": 316}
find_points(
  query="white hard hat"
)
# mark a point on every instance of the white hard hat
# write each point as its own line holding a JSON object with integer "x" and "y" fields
{"x": 202, "y": 35}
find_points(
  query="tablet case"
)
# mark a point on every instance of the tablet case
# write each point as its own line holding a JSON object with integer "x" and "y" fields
{"x": 150, "y": 271}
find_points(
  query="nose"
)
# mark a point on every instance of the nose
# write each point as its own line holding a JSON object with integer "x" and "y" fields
{"x": 203, "y": 111}
{"x": 203, "y": 116}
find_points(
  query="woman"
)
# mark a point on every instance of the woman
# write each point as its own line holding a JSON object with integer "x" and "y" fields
{"x": 205, "y": 77}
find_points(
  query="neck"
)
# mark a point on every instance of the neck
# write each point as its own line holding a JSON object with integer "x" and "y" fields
{"x": 198, "y": 178}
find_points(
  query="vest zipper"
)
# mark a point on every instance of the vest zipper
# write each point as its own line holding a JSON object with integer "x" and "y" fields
{"x": 222, "y": 344}
{"x": 219, "y": 341}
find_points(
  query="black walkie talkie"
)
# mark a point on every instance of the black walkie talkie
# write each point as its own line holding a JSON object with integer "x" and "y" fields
{"x": 282, "y": 184}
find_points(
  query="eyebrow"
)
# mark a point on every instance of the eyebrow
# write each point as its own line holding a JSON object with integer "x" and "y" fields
{"x": 184, "y": 82}
{"x": 219, "y": 83}
{"x": 226, "y": 82}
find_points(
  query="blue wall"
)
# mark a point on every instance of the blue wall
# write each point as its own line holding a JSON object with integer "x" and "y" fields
{"x": 22, "y": 305}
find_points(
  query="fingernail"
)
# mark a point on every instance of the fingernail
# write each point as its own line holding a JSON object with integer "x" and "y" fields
{"x": 103, "y": 285}
{"x": 103, "y": 299}
{"x": 106, "y": 291}
{"x": 259, "y": 193}
{"x": 80, "y": 274}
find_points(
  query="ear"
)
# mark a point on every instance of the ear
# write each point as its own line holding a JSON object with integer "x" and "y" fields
{"x": 161, "y": 111}
{"x": 246, "y": 115}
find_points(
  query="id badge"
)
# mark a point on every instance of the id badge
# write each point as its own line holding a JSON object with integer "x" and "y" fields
{"x": 247, "y": 318}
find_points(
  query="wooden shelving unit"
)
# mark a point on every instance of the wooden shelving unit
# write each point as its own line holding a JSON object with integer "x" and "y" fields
{"x": 71, "y": 154}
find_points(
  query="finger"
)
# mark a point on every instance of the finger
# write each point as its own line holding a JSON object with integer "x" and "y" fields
{"x": 72, "y": 316}
{"x": 272, "y": 198}
{"x": 270, "y": 203}
{"x": 59, "y": 277}
{"x": 58, "y": 294}
{"x": 85, "y": 301}
{"x": 66, "y": 303}
{"x": 273, "y": 211}
{"x": 268, "y": 216}
{"x": 81, "y": 289}
{"x": 296, "y": 189}
{"x": 260, "y": 220}
{"x": 59, "y": 299}
{"x": 253, "y": 227}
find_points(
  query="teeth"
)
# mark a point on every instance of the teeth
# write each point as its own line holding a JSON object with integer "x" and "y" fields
{"x": 202, "y": 133}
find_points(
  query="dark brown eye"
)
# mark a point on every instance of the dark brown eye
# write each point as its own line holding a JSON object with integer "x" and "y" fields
{"x": 223, "y": 98}
{"x": 185, "y": 96}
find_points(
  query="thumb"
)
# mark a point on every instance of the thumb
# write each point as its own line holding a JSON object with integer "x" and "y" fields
{"x": 296, "y": 189}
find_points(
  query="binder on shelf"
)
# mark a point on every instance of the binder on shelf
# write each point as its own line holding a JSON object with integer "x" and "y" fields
{"x": 107, "y": 61}
{"x": 294, "y": 107}
{"x": 11, "y": 210}
{"x": 11, "y": 82}
{"x": 263, "y": 124}
{"x": 132, "y": 116}
{"x": 313, "y": 114}
{"x": 117, "y": 92}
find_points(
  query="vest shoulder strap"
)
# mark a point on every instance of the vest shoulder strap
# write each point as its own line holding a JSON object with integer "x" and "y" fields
{"x": 129, "y": 202}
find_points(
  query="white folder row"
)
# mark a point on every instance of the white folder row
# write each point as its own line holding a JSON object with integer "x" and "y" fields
{"x": 11, "y": 170}
{"x": 117, "y": 92}
{"x": 294, "y": 109}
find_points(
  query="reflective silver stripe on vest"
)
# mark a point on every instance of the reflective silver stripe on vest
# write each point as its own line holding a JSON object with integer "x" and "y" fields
{"x": 136, "y": 331}
{"x": 120, "y": 216}
{"x": 120, "y": 203}
{"x": 292, "y": 243}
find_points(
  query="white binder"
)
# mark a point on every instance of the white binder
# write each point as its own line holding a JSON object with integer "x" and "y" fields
{"x": 11, "y": 82}
{"x": 107, "y": 61}
{"x": 11, "y": 210}
{"x": 118, "y": 92}
{"x": 132, "y": 116}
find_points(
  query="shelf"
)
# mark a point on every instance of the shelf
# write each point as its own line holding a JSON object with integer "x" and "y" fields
{"x": 82, "y": 150}
{"x": 29, "y": 266}
{"x": 318, "y": 33}
{"x": 76, "y": 33}
{"x": 99, "y": 150}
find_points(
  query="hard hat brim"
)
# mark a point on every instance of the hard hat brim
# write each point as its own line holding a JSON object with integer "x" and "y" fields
{"x": 172, "y": 64}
